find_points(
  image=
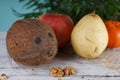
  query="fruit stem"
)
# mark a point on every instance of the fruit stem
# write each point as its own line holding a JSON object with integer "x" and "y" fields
{"x": 93, "y": 13}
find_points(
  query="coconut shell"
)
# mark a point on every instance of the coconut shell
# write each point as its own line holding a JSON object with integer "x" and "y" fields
{"x": 31, "y": 42}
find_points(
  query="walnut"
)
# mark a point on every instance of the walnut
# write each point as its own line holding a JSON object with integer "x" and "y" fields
{"x": 56, "y": 72}
{"x": 3, "y": 77}
{"x": 73, "y": 71}
{"x": 69, "y": 70}
{"x": 59, "y": 72}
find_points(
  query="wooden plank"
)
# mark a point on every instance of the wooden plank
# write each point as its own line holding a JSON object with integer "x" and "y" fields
{"x": 3, "y": 50}
{"x": 86, "y": 68}
{"x": 92, "y": 69}
{"x": 63, "y": 78}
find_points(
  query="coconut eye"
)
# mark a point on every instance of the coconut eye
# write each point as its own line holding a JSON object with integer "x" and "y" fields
{"x": 50, "y": 52}
{"x": 38, "y": 40}
{"x": 50, "y": 35}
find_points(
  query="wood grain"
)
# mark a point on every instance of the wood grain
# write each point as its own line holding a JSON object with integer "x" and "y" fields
{"x": 87, "y": 69}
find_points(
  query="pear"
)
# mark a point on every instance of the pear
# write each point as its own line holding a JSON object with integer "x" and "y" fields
{"x": 89, "y": 37}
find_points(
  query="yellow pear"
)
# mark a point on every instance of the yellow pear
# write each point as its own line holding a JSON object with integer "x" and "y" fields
{"x": 89, "y": 37}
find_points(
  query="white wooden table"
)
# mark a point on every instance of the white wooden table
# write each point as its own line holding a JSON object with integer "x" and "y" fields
{"x": 94, "y": 69}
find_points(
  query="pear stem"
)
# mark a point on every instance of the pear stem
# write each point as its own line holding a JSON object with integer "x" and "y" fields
{"x": 93, "y": 13}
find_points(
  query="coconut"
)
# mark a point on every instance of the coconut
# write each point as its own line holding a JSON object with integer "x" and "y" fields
{"x": 31, "y": 42}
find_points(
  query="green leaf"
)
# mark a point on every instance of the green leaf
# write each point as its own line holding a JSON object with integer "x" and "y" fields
{"x": 17, "y": 13}
{"x": 21, "y": 0}
{"x": 76, "y": 9}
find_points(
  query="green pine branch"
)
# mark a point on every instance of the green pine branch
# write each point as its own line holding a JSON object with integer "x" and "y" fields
{"x": 107, "y": 9}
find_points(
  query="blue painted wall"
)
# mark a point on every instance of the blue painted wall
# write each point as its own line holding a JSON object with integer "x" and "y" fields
{"x": 7, "y": 18}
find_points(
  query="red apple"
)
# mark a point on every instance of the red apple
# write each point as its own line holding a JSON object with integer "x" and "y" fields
{"x": 62, "y": 26}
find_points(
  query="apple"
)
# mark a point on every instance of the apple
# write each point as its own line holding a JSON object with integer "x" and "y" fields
{"x": 61, "y": 24}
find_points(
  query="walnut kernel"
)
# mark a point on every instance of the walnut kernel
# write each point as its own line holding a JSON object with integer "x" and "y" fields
{"x": 69, "y": 70}
{"x": 56, "y": 72}
{"x": 59, "y": 72}
{"x": 3, "y": 77}
{"x": 73, "y": 71}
